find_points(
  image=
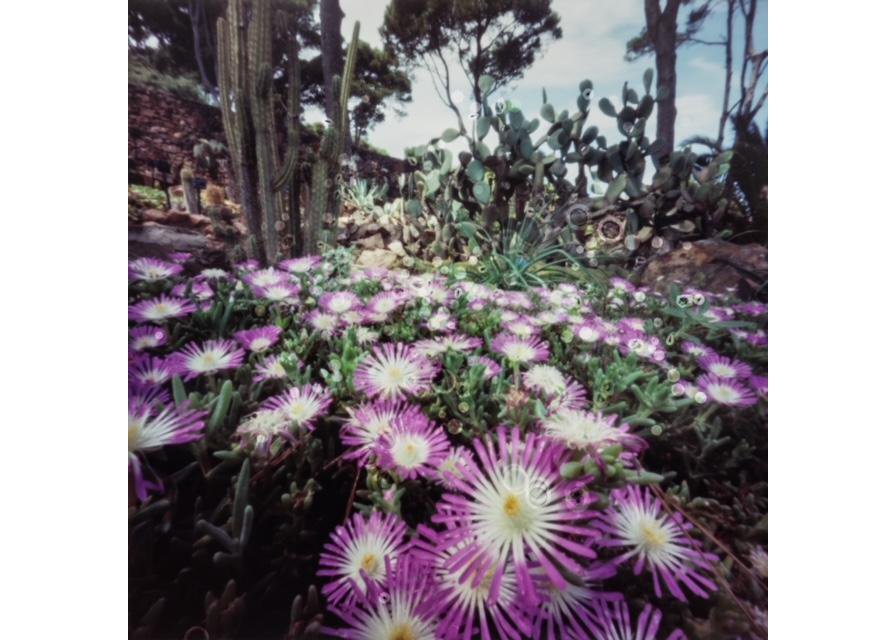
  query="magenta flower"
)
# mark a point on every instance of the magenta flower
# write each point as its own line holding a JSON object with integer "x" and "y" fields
{"x": 555, "y": 389}
{"x": 697, "y": 350}
{"x": 154, "y": 423}
{"x": 300, "y": 266}
{"x": 414, "y": 447}
{"x": 209, "y": 357}
{"x": 179, "y": 257}
{"x": 449, "y": 471}
{"x": 149, "y": 372}
{"x": 371, "y": 420}
{"x": 338, "y": 302}
{"x": 199, "y": 289}
{"x": 266, "y": 278}
{"x": 258, "y": 339}
{"x": 358, "y": 553}
{"x": 324, "y": 323}
{"x": 643, "y": 346}
{"x": 145, "y": 337}
{"x": 638, "y": 524}
{"x": 301, "y": 405}
{"x": 441, "y": 322}
{"x": 404, "y": 608}
{"x": 591, "y": 432}
{"x": 725, "y": 368}
{"x": 760, "y": 385}
{"x": 491, "y": 367}
{"x": 452, "y": 342}
{"x": 728, "y": 392}
{"x": 269, "y": 369}
{"x": 394, "y": 370}
{"x": 514, "y": 506}
{"x": 386, "y": 302}
{"x": 277, "y": 292}
{"x": 573, "y": 613}
{"x": 152, "y": 270}
{"x": 259, "y": 432}
{"x": 614, "y": 622}
{"x": 589, "y": 332}
{"x": 160, "y": 308}
{"x": 466, "y": 611}
{"x": 520, "y": 350}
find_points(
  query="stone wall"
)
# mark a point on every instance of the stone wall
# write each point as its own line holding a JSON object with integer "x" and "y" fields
{"x": 162, "y": 129}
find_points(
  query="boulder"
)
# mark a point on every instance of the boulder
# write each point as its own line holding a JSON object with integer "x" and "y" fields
{"x": 371, "y": 242}
{"x": 159, "y": 241}
{"x": 377, "y": 258}
{"x": 710, "y": 265}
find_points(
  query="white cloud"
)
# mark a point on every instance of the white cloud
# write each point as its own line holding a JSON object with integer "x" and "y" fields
{"x": 702, "y": 64}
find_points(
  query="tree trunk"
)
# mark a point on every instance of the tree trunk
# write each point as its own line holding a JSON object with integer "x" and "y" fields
{"x": 662, "y": 27}
{"x": 729, "y": 71}
{"x": 195, "y": 9}
{"x": 330, "y": 51}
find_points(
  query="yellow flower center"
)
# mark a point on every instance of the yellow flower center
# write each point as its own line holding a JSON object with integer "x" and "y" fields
{"x": 133, "y": 435}
{"x": 369, "y": 563}
{"x": 208, "y": 360}
{"x": 654, "y": 536}
{"x": 394, "y": 374}
{"x": 512, "y": 506}
{"x": 402, "y": 632}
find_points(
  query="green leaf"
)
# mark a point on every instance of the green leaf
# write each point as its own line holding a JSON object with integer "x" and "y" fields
{"x": 482, "y": 192}
{"x": 648, "y": 80}
{"x": 178, "y": 390}
{"x": 475, "y": 170}
{"x": 222, "y": 405}
{"x": 607, "y": 107}
{"x": 482, "y": 125}
{"x": 449, "y": 135}
{"x": 241, "y": 497}
{"x": 590, "y": 135}
{"x": 516, "y": 119}
{"x": 414, "y": 207}
{"x": 616, "y": 187}
{"x": 547, "y": 111}
{"x": 486, "y": 82}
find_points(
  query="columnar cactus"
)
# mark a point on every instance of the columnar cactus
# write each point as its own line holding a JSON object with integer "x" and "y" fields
{"x": 325, "y": 201}
{"x": 245, "y": 73}
{"x": 191, "y": 193}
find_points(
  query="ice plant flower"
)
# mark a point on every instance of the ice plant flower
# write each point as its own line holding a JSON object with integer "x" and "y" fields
{"x": 301, "y": 405}
{"x": 451, "y": 342}
{"x": 150, "y": 372}
{"x": 728, "y": 392}
{"x": 572, "y": 613}
{"x": 513, "y": 504}
{"x": 269, "y": 369}
{"x": 209, "y": 357}
{"x": 258, "y": 339}
{"x": 492, "y": 368}
{"x": 697, "y": 350}
{"x": 589, "y": 332}
{"x": 464, "y": 605}
{"x": 300, "y": 266}
{"x": 385, "y": 302}
{"x": 324, "y": 323}
{"x": 405, "y": 608}
{"x": 369, "y": 421}
{"x": 214, "y": 274}
{"x": 450, "y": 469}
{"x": 760, "y": 385}
{"x": 592, "y": 432}
{"x": 259, "y": 431}
{"x": 266, "y": 278}
{"x": 614, "y": 623}
{"x": 338, "y": 302}
{"x": 145, "y": 337}
{"x": 441, "y": 322}
{"x": 520, "y": 350}
{"x": 278, "y": 292}
{"x": 638, "y": 524}
{"x": 357, "y": 553}
{"x": 393, "y": 370}
{"x": 152, "y": 424}
{"x": 725, "y": 368}
{"x": 556, "y": 389}
{"x": 414, "y": 447}
{"x": 160, "y": 308}
{"x": 152, "y": 269}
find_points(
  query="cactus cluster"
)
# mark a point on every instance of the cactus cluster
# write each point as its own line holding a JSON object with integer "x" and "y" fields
{"x": 493, "y": 184}
{"x": 266, "y": 170}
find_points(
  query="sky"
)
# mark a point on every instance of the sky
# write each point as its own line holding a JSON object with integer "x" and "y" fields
{"x": 592, "y": 46}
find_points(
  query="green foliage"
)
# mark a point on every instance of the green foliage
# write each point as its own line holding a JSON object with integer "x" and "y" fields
{"x": 141, "y": 72}
{"x": 508, "y": 164}
{"x": 147, "y": 197}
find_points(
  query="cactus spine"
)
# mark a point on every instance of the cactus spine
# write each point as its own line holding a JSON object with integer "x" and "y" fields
{"x": 325, "y": 201}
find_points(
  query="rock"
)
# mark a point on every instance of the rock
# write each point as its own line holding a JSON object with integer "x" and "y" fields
{"x": 158, "y": 241}
{"x": 377, "y": 258}
{"x": 710, "y": 265}
{"x": 369, "y": 229}
{"x": 371, "y": 242}
{"x": 155, "y": 215}
{"x": 396, "y": 247}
